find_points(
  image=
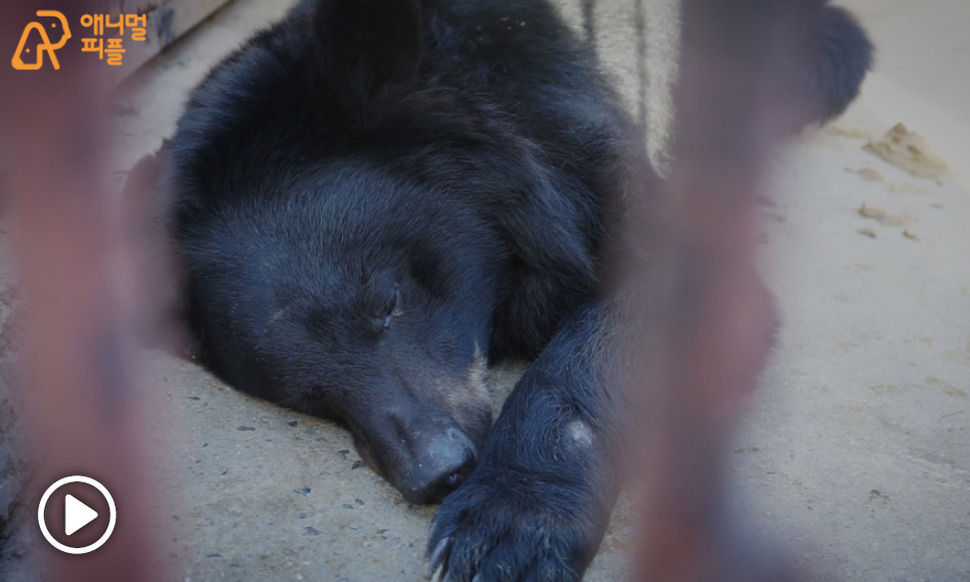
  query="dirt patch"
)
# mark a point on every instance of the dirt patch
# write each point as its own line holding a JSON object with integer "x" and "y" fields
{"x": 946, "y": 387}
{"x": 908, "y": 151}
{"x": 869, "y": 175}
{"x": 906, "y": 188}
{"x": 884, "y": 217}
{"x": 847, "y": 132}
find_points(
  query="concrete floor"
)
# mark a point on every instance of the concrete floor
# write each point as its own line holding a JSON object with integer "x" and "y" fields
{"x": 856, "y": 456}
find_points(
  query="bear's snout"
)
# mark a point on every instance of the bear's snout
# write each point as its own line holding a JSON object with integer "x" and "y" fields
{"x": 441, "y": 464}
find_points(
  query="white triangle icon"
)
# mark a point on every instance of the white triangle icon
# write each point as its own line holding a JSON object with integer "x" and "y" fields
{"x": 76, "y": 514}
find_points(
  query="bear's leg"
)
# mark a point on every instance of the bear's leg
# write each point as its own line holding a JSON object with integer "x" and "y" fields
{"x": 537, "y": 504}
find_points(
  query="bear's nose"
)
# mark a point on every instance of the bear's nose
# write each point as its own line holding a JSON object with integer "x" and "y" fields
{"x": 441, "y": 467}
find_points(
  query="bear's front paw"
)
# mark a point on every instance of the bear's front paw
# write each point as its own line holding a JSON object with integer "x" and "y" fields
{"x": 514, "y": 528}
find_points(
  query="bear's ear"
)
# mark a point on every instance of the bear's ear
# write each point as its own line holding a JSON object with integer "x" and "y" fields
{"x": 835, "y": 54}
{"x": 367, "y": 47}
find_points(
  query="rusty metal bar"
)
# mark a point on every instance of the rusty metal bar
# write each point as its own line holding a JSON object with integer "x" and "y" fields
{"x": 714, "y": 317}
{"x": 82, "y": 414}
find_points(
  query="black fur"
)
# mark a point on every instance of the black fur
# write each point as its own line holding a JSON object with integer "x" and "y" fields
{"x": 373, "y": 194}
{"x": 839, "y": 55}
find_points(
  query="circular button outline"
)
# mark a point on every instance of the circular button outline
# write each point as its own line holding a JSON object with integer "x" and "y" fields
{"x": 112, "y": 510}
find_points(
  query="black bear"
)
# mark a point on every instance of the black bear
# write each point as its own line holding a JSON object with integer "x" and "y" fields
{"x": 373, "y": 199}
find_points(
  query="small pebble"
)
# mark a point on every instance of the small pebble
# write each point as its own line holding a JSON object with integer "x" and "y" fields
{"x": 872, "y": 212}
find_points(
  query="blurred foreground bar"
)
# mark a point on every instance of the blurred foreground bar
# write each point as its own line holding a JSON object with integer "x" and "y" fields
{"x": 82, "y": 409}
{"x": 713, "y": 317}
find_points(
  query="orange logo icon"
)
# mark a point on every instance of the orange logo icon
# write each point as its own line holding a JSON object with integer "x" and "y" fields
{"x": 41, "y": 42}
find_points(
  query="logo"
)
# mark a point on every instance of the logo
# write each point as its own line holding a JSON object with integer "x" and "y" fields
{"x": 106, "y": 38}
{"x": 35, "y": 42}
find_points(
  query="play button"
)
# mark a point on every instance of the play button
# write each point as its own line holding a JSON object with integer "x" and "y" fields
{"x": 76, "y": 514}
{"x": 81, "y": 513}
